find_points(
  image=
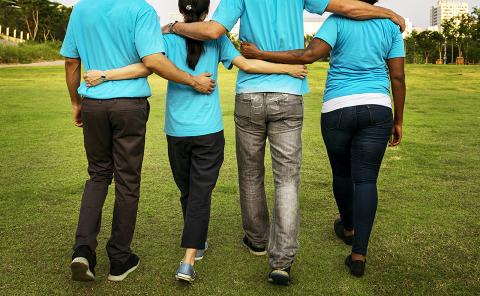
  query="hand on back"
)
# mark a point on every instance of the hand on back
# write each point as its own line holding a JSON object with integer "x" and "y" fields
{"x": 93, "y": 78}
{"x": 249, "y": 50}
{"x": 204, "y": 83}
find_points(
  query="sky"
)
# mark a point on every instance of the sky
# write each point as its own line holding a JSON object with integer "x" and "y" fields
{"x": 418, "y": 11}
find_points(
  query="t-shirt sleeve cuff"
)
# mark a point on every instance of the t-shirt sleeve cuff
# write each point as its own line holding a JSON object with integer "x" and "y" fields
{"x": 222, "y": 21}
{"x": 326, "y": 39}
{"x": 69, "y": 54}
{"x": 228, "y": 63}
{"x": 150, "y": 52}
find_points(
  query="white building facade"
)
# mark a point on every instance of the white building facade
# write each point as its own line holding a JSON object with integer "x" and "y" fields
{"x": 446, "y": 9}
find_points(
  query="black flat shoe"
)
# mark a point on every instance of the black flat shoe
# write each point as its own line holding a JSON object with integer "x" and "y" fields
{"x": 340, "y": 232}
{"x": 357, "y": 267}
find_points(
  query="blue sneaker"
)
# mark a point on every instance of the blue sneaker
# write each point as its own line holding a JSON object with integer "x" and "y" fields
{"x": 185, "y": 273}
{"x": 201, "y": 253}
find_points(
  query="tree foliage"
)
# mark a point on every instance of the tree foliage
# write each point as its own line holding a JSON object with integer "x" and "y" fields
{"x": 459, "y": 37}
{"x": 42, "y": 19}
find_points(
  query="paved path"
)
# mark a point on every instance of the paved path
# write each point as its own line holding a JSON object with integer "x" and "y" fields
{"x": 53, "y": 63}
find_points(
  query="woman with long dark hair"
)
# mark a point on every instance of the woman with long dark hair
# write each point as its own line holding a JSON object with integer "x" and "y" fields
{"x": 356, "y": 115}
{"x": 194, "y": 125}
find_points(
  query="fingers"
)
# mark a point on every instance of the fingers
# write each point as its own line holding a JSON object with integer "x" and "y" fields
{"x": 207, "y": 75}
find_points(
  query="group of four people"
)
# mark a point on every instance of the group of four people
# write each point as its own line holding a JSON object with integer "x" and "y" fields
{"x": 120, "y": 43}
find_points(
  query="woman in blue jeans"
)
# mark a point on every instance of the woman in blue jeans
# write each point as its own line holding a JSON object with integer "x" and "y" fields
{"x": 193, "y": 124}
{"x": 356, "y": 116}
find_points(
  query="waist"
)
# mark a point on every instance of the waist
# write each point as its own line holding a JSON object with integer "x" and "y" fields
{"x": 270, "y": 83}
{"x": 356, "y": 100}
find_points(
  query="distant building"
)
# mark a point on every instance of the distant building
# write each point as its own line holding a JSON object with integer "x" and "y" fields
{"x": 446, "y": 9}
{"x": 408, "y": 28}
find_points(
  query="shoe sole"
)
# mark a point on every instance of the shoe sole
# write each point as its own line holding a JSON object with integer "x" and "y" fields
{"x": 81, "y": 270}
{"x": 119, "y": 278}
{"x": 263, "y": 253}
{"x": 184, "y": 278}
{"x": 280, "y": 278}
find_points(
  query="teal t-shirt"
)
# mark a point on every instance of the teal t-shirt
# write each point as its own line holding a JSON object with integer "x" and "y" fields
{"x": 110, "y": 34}
{"x": 190, "y": 113}
{"x": 359, "y": 53}
{"x": 273, "y": 25}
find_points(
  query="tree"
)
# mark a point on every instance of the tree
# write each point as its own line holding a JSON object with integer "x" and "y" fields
{"x": 439, "y": 40}
{"x": 448, "y": 30}
{"x": 37, "y": 17}
{"x": 426, "y": 44}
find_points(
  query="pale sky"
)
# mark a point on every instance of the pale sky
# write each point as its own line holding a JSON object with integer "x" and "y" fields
{"x": 418, "y": 11}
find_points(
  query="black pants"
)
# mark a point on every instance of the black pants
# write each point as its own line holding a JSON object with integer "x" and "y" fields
{"x": 114, "y": 136}
{"x": 356, "y": 139}
{"x": 196, "y": 163}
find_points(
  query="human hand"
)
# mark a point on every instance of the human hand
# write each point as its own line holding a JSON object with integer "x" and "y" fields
{"x": 297, "y": 71}
{"x": 77, "y": 116}
{"x": 249, "y": 50}
{"x": 399, "y": 20}
{"x": 94, "y": 77}
{"x": 397, "y": 134}
{"x": 204, "y": 83}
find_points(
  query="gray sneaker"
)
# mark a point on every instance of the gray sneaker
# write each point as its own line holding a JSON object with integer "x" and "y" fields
{"x": 201, "y": 253}
{"x": 185, "y": 273}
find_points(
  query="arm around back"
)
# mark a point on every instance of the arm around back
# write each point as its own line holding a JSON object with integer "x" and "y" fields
{"x": 316, "y": 50}
{"x": 362, "y": 11}
{"x": 160, "y": 65}
{"x": 200, "y": 30}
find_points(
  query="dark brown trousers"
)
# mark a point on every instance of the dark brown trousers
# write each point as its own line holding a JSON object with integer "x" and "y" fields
{"x": 114, "y": 136}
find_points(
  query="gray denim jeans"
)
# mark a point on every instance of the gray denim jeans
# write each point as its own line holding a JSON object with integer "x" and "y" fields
{"x": 278, "y": 117}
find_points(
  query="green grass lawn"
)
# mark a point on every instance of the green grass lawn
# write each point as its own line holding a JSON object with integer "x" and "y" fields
{"x": 425, "y": 241}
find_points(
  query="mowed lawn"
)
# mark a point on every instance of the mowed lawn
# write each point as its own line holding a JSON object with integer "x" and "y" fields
{"x": 425, "y": 241}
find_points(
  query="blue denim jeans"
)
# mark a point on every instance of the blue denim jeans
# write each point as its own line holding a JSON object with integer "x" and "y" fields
{"x": 356, "y": 139}
{"x": 279, "y": 118}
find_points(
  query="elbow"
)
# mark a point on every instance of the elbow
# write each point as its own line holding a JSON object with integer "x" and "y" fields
{"x": 308, "y": 59}
{"x": 215, "y": 31}
{"x": 398, "y": 78}
{"x": 214, "y": 34}
{"x": 150, "y": 65}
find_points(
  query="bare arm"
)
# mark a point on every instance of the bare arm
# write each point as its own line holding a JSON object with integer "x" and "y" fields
{"x": 73, "y": 71}
{"x": 397, "y": 77}
{"x": 198, "y": 31}
{"x": 362, "y": 11}
{"x": 163, "y": 67}
{"x": 262, "y": 67}
{"x": 316, "y": 50}
{"x": 94, "y": 77}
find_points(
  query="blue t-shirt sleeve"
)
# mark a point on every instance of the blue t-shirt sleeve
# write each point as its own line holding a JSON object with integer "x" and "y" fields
{"x": 398, "y": 46}
{"x": 328, "y": 32}
{"x": 228, "y": 13}
{"x": 148, "y": 34}
{"x": 69, "y": 46}
{"x": 228, "y": 52}
{"x": 316, "y": 6}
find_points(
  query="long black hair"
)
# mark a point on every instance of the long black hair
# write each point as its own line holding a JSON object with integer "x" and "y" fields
{"x": 192, "y": 11}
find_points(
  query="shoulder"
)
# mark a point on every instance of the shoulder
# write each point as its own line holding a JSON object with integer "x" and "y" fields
{"x": 391, "y": 26}
{"x": 173, "y": 39}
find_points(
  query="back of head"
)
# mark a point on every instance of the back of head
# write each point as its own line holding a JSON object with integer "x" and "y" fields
{"x": 194, "y": 11}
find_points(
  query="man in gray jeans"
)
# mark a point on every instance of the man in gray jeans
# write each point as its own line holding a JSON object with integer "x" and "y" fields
{"x": 105, "y": 35}
{"x": 271, "y": 106}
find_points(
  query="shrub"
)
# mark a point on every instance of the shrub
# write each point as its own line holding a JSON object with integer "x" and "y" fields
{"x": 29, "y": 52}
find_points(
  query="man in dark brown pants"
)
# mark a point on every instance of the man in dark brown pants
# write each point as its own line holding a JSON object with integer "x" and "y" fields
{"x": 106, "y": 35}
